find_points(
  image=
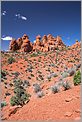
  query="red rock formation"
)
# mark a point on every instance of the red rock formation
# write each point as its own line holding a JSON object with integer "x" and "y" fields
{"x": 59, "y": 40}
{"x": 51, "y": 39}
{"x": 25, "y": 36}
{"x": 46, "y": 49}
{"x": 13, "y": 45}
{"x": 47, "y": 43}
{"x": 76, "y": 45}
{"x": 44, "y": 40}
{"x": 37, "y": 42}
{"x": 19, "y": 42}
{"x": 26, "y": 45}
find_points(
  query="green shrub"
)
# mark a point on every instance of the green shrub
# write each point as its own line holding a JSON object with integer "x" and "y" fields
{"x": 77, "y": 78}
{"x": 29, "y": 77}
{"x": 66, "y": 85}
{"x": 55, "y": 89}
{"x": 16, "y": 74}
{"x": 39, "y": 72}
{"x": 11, "y": 60}
{"x": 7, "y": 93}
{"x": 39, "y": 52}
{"x": 54, "y": 74}
{"x": 49, "y": 77}
{"x": 36, "y": 87}
{"x": 45, "y": 54}
{"x": 20, "y": 94}
{"x": 32, "y": 75}
{"x": 13, "y": 100}
{"x": 53, "y": 65}
{"x": 11, "y": 84}
{"x": 3, "y": 73}
{"x": 26, "y": 83}
{"x": 33, "y": 55}
{"x": 64, "y": 74}
{"x": 29, "y": 69}
{"x": 3, "y": 103}
{"x": 41, "y": 77}
{"x": 39, "y": 60}
{"x": 40, "y": 94}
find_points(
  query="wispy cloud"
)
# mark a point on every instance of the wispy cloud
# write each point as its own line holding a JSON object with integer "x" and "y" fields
{"x": 24, "y": 18}
{"x": 3, "y": 13}
{"x": 18, "y": 15}
{"x": 21, "y": 17}
{"x": 7, "y": 38}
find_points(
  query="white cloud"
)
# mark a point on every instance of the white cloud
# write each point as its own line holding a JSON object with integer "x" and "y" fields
{"x": 34, "y": 41}
{"x": 7, "y": 38}
{"x": 16, "y": 15}
{"x": 20, "y": 17}
{"x": 24, "y": 18}
{"x": 3, "y": 13}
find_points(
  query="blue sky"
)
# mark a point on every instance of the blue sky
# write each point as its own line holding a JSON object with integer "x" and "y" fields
{"x": 33, "y": 18}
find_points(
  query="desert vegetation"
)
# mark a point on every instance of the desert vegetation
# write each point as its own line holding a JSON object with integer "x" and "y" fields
{"x": 41, "y": 81}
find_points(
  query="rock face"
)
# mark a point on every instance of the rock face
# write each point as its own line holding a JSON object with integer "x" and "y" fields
{"x": 44, "y": 44}
{"x": 37, "y": 44}
{"x": 19, "y": 42}
{"x": 26, "y": 45}
{"x": 47, "y": 43}
{"x": 22, "y": 44}
{"x": 13, "y": 45}
{"x": 44, "y": 40}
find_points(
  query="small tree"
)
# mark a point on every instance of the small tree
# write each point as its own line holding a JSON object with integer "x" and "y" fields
{"x": 77, "y": 78}
{"x": 20, "y": 94}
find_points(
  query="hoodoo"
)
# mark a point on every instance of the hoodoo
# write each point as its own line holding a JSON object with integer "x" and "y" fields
{"x": 44, "y": 44}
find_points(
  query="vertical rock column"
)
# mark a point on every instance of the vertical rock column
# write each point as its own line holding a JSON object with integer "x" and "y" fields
{"x": 26, "y": 45}
{"x": 37, "y": 44}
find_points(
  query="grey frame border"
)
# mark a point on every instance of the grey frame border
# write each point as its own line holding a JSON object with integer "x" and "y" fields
{"x": 81, "y": 65}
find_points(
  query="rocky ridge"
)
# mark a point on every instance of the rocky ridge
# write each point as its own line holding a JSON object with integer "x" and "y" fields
{"x": 44, "y": 44}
